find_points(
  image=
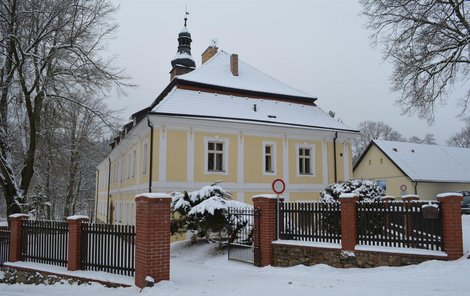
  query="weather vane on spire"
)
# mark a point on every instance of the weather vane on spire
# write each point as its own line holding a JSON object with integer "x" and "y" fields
{"x": 186, "y": 15}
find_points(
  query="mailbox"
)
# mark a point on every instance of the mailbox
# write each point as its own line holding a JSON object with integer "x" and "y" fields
{"x": 430, "y": 211}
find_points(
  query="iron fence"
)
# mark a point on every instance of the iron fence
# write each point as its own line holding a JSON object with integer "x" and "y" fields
{"x": 45, "y": 242}
{"x": 310, "y": 221}
{"x": 399, "y": 224}
{"x": 240, "y": 230}
{"x": 4, "y": 245}
{"x": 109, "y": 248}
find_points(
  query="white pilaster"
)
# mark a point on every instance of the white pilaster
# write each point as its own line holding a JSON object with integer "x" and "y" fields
{"x": 325, "y": 162}
{"x": 162, "y": 155}
{"x": 240, "y": 159}
{"x": 285, "y": 167}
{"x": 190, "y": 164}
{"x": 346, "y": 160}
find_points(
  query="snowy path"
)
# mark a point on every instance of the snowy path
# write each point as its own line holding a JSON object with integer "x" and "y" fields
{"x": 195, "y": 270}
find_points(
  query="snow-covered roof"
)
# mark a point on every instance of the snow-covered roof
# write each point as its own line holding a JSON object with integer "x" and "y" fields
{"x": 216, "y": 71}
{"x": 184, "y": 30}
{"x": 183, "y": 102}
{"x": 432, "y": 163}
{"x": 182, "y": 55}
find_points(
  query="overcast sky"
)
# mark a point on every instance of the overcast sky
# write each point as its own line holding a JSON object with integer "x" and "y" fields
{"x": 319, "y": 47}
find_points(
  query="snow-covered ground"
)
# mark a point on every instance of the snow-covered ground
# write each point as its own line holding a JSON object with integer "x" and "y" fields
{"x": 201, "y": 270}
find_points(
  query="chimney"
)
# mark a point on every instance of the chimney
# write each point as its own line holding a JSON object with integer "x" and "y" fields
{"x": 234, "y": 64}
{"x": 209, "y": 53}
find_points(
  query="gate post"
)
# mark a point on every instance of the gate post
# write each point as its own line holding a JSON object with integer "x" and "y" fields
{"x": 451, "y": 224}
{"x": 75, "y": 239}
{"x": 152, "y": 245}
{"x": 15, "y": 236}
{"x": 348, "y": 221}
{"x": 265, "y": 227}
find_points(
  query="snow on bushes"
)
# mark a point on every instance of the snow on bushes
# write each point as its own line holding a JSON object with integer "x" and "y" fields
{"x": 204, "y": 212}
{"x": 367, "y": 190}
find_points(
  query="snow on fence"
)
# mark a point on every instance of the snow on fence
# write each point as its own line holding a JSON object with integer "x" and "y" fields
{"x": 399, "y": 224}
{"x": 310, "y": 221}
{"x": 109, "y": 248}
{"x": 4, "y": 245}
{"x": 45, "y": 241}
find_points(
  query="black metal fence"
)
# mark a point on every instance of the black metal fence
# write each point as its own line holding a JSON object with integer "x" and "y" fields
{"x": 4, "y": 245}
{"x": 109, "y": 248}
{"x": 240, "y": 230}
{"x": 399, "y": 224}
{"x": 45, "y": 242}
{"x": 310, "y": 221}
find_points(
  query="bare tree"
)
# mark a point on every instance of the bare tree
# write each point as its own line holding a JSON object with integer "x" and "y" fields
{"x": 428, "y": 140}
{"x": 49, "y": 51}
{"x": 373, "y": 130}
{"x": 462, "y": 138}
{"x": 428, "y": 43}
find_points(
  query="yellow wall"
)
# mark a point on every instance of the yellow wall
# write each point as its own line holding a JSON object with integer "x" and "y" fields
{"x": 177, "y": 155}
{"x": 177, "y": 162}
{"x": 199, "y": 158}
{"x": 375, "y": 165}
{"x": 253, "y": 162}
{"x": 156, "y": 156}
{"x": 294, "y": 177}
{"x": 301, "y": 196}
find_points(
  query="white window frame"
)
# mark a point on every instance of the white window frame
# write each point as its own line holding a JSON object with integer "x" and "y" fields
{"x": 312, "y": 159}
{"x": 134, "y": 162}
{"x": 128, "y": 168}
{"x": 273, "y": 158}
{"x": 144, "y": 158}
{"x": 225, "y": 154}
{"x": 120, "y": 168}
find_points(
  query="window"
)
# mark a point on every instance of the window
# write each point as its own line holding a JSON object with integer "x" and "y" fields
{"x": 216, "y": 153}
{"x": 121, "y": 171}
{"x": 144, "y": 159}
{"x": 269, "y": 158}
{"x": 215, "y": 156}
{"x": 129, "y": 161}
{"x": 134, "y": 158}
{"x": 306, "y": 160}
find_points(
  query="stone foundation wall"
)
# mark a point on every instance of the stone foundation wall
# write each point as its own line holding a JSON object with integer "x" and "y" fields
{"x": 13, "y": 276}
{"x": 288, "y": 255}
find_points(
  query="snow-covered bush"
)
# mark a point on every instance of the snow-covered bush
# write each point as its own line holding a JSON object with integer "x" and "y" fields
{"x": 204, "y": 212}
{"x": 367, "y": 190}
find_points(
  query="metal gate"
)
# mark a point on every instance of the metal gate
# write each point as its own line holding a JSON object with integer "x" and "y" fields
{"x": 4, "y": 245}
{"x": 241, "y": 228}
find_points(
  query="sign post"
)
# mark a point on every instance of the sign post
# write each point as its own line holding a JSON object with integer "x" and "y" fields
{"x": 279, "y": 186}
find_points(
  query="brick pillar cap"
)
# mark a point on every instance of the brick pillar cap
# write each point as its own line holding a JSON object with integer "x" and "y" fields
{"x": 153, "y": 195}
{"x": 269, "y": 196}
{"x": 448, "y": 194}
{"x": 388, "y": 197}
{"x": 18, "y": 215}
{"x": 348, "y": 195}
{"x": 77, "y": 217}
{"x": 410, "y": 196}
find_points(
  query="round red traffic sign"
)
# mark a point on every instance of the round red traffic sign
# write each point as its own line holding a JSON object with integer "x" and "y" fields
{"x": 279, "y": 186}
{"x": 403, "y": 187}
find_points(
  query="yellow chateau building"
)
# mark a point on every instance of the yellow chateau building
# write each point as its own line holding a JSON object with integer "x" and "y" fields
{"x": 224, "y": 121}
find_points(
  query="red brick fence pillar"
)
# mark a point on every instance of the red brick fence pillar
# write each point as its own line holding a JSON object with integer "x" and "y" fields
{"x": 265, "y": 227}
{"x": 348, "y": 221}
{"x": 152, "y": 254}
{"x": 75, "y": 238}
{"x": 15, "y": 236}
{"x": 451, "y": 224}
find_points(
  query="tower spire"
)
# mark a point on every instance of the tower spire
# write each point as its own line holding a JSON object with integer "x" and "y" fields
{"x": 186, "y": 15}
{"x": 183, "y": 61}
